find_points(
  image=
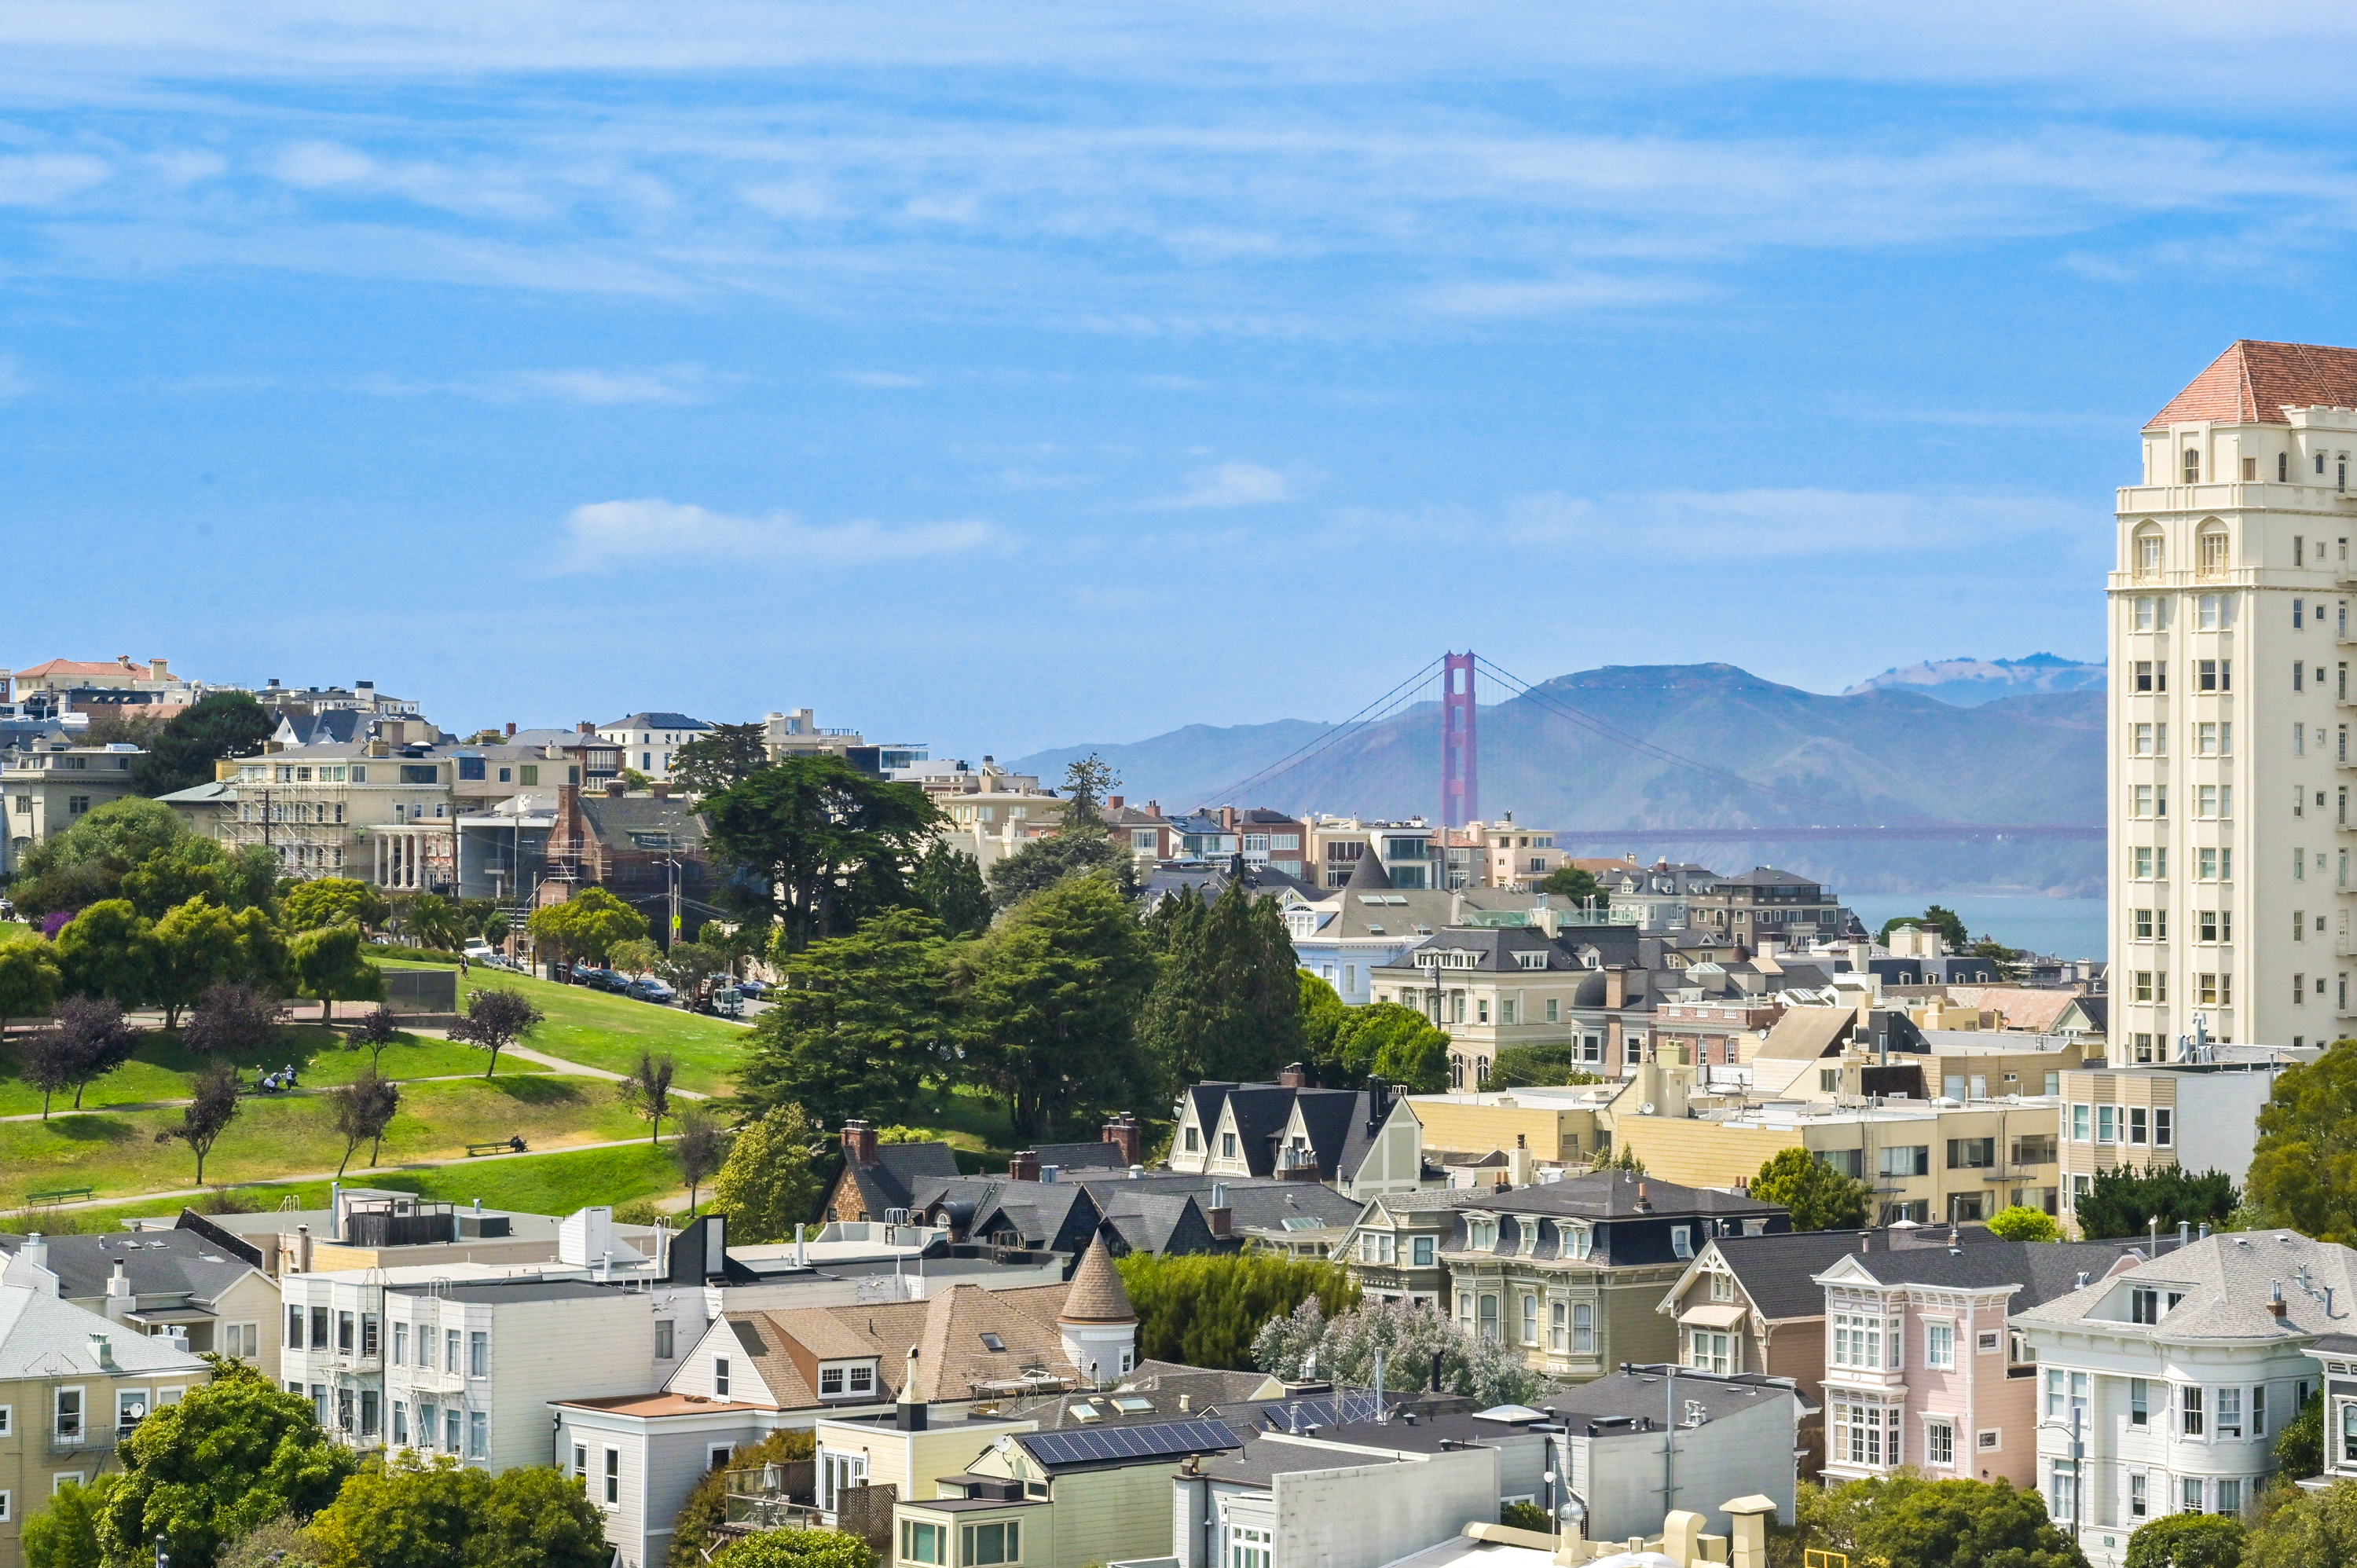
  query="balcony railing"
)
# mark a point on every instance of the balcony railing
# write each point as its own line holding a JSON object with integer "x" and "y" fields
{"x": 66, "y": 1438}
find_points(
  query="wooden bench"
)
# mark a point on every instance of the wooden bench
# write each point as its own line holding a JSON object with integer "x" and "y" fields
{"x": 502, "y": 1146}
{"x": 60, "y": 1194}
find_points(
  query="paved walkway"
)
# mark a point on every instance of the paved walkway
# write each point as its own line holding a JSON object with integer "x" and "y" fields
{"x": 357, "y": 1175}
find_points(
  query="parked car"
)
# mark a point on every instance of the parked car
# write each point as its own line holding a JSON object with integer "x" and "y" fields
{"x": 646, "y": 988}
{"x": 599, "y": 979}
{"x": 755, "y": 989}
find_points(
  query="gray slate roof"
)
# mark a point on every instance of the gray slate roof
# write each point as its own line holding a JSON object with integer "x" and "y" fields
{"x": 165, "y": 1262}
{"x": 2228, "y": 1280}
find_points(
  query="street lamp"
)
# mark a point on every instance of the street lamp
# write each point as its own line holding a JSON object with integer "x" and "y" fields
{"x": 163, "y": 1550}
{"x": 2078, "y": 1464}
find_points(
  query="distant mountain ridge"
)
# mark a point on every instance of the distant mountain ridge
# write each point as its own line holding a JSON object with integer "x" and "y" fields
{"x": 1882, "y": 755}
{"x": 1968, "y": 682}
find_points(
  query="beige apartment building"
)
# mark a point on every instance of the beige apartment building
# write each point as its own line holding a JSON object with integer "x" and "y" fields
{"x": 2229, "y": 708}
{"x": 75, "y": 1385}
{"x": 47, "y": 791}
{"x": 2198, "y": 1115}
{"x": 1926, "y": 1163}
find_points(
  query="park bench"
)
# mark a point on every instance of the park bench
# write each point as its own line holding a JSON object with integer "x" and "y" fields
{"x": 500, "y": 1146}
{"x": 60, "y": 1194}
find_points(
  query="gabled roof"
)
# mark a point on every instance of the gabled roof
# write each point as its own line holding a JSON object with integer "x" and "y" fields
{"x": 899, "y": 1170}
{"x": 43, "y": 1336}
{"x": 615, "y": 821}
{"x": 161, "y": 1263}
{"x": 2041, "y": 1271}
{"x": 946, "y": 1331}
{"x": 2252, "y": 381}
{"x": 2228, "y": 1280}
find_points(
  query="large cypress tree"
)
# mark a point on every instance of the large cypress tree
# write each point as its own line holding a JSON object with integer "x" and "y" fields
{"x": 1226, "y": 1003}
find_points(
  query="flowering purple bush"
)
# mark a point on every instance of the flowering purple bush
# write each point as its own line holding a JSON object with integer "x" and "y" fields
{"x": 57, "y": 920}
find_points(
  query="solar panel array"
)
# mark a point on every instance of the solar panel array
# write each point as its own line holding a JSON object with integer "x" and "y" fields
{"x": 1344, "y": 1407}
{"x": 1151, "y": 1440}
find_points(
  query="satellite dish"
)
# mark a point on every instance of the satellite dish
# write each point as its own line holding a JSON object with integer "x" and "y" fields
{"x": 1646, "y": 1109}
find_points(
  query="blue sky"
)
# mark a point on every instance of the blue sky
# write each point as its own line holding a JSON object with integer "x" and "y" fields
{"x": 1010, "y": 376}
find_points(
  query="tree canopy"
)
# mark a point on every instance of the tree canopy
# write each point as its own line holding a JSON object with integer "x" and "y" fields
{"x": 86, "y": 863}
{"x": 2124, "y": 1201}
{"x": 727, "y": 755}
{"x": 1904, "y": 1518}
{"x": 1051, "y": 999}
{"x": 408, "y": 1512}
{"x": 1572, "y": 884}
{"x": 1820, "y": 1198}
{"x": 589, "y": 925}
{"x": 1408, "y": 1335}
{"x": 222, "y": 724}
{"x": 768, "y": 1185}
{"x": 949, "y": 887}
{"x": 333, "y": 901}
{"x": 2022, "y": 1223}
{"x": 1226, "y": 999}
{"x": 798, "y": 1549}
{"x": 1946, "y": 921}
{"x": 2303, "y": 1170}
{"x": 231, "y": 1455}
{"x": 816, "y": 845}
{"x": 854, "y": 1024}
{"x": 1203, "y": 1309}
{"x": 2187, "y": 1540}
{"x": 28, "y": 979}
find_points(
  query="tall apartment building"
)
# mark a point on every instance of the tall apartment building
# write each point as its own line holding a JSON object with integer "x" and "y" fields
{"x": 2229, "y": 709}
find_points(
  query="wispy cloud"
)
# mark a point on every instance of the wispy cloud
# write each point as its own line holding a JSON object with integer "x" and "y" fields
{"x": 879, "y": 380}
{"x": 35, "y": 179}
{"x": 1701, "y": 527}
{"x": 1227, "y": 485}
{"x": 653, "y": 533}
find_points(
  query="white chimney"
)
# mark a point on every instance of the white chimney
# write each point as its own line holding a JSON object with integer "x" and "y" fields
{"x": 35, "y": 1251}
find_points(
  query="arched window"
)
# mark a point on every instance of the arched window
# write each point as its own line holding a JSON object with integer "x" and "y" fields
{"x": 2210, "y": 558}
{"x": 2146, "y": 555}
{"x": 2193, "y": 465}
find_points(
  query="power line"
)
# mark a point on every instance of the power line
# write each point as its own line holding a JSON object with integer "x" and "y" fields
{"x": 1303, "y": 753}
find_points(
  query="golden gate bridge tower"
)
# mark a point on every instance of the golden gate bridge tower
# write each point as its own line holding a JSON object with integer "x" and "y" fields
{"x": 1460, "y": 771}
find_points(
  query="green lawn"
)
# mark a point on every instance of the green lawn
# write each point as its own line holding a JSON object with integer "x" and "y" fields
{"x": 597, "y": 1029}
{"x": 118, "y": 1154}
{"x": 163, "y": 1070}
{"x": 531, "y": 1184}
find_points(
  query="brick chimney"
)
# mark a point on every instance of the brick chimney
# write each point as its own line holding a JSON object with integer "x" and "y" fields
{"x": 512, "y": 729}
{"x": 1024, "y": 1166}
{"x": 859, "y": 1142}
{"x": 616, "y": 789}
{"x": 1123, "y": 1134}
{"x": 584, "y": 727}
{"x": 1113, "y": 801}
{"x": 1222, "y": 1220}
{"x": 661, "y": 788}
{"x": 1616, "y": 985}
{"x": 1295, "y": 1076}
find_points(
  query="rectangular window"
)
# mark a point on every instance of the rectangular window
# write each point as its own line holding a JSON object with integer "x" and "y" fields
{"x": 450, "y": 1350}
{"x": 613, "y": 1478}
{"x": 401, "y": 1426}
{"x": 2139, "y": 1403}
{"x": 478, "y": 1354}
{"x": 1558, "y": 1319}
{"x": 2137, "y": 1505}
{"x": 1939, "y": 1344}
{"x": 2190, "y": 1408}
{"x": 294, "y": 1328}
{"x": 2139, "y": 1119}
{"x": 2189, "y": 1495}
{"x": 2259, "y": 1411}
{"x": 1421, "y": 1253}
{"x": 1940, "y": 1444}
{"x": 399, "y": 1344}
{"x": 429, "y": 1418}
{"x": 2229, "y": 1413}
{"x": 1682, "y": 1240}
{"x": 1583, "y": 1328}
{"x": 318, "y": 1328}
{"x": 720, "y": 1377}
{"x": 2164, "y": 1128}
{"x": 1530, "y": 1319}
{"x": 988, "y": 1544}
{"x": 1971, "y": 1153}
{"x": 478, "y": 1435}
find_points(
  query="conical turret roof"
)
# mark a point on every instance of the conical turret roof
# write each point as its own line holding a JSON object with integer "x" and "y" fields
{"x": 1369, "y": 875}
{"x": 1096, "y": 1294}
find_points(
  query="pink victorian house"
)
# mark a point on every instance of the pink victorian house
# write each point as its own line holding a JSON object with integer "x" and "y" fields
{"x": 1922, "y": 1366}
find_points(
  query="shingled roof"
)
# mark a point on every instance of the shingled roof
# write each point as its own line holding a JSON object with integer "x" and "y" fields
{"x": 1096, "y": 1294}
{"x": 2252, "y": 382}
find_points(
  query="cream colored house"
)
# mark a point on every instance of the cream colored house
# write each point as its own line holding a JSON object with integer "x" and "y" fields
{"x": 48, "y": 792}
{"x": 2201, "y": 1116}
{"x": 2231, "y": 889}
{"x": 72, "y": 1385}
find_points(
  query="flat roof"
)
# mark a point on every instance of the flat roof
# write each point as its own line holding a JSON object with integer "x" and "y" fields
{"x": 494, "y": 1291}
{"x": 656, "y": 1405}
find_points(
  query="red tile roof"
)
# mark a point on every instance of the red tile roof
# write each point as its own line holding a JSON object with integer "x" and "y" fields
{"x": 83, "y": 667}
{"x": 2252, "y": 382}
